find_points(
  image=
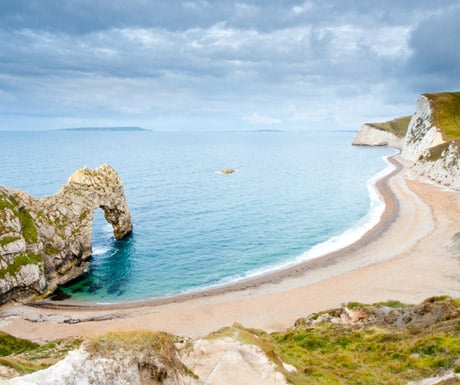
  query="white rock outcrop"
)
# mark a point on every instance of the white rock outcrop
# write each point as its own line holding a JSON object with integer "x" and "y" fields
{"x": 78, "y": 368}
{"x": 369, "y": 135}
{"x": 226, "y": 361}
{"x": 421, "y": 133}
{"x": 444, "y": 170}
{"x": 212, "y": 362}
{"x": 46, "y": 242}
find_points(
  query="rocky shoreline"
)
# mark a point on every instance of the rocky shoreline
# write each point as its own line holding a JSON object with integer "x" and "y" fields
{"x": 47, "y": 242}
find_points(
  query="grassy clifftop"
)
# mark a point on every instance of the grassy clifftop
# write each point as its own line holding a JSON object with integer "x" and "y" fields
{"x": 445, "y": 116}
{"x": 384, "y": 343}
{"x": 446, "y": 113}
{"x": 396, "y": 126}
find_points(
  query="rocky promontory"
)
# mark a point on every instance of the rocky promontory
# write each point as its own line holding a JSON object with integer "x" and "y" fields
{"x": 430, "y": 141}
{"x": 383, "y": 134}
{"x": 46, "y": 242}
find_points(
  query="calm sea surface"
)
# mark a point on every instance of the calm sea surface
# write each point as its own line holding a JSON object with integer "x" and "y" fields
{"x": 294, "y": 196}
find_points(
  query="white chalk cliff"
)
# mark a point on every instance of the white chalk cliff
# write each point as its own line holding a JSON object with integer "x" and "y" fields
{"x": 421, "y": 133}
{"x": 210, "y": 361}
{"x": 46, "y": 242}
{"x": 370, "y": 135}
{"x": 433, "y": 155}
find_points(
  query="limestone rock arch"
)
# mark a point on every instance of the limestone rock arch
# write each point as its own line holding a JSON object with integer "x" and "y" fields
{"x": 46, "y": 242}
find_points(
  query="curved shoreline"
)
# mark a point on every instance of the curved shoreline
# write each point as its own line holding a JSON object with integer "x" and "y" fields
{"x": 389, "y": 215}
{"x": 405, "y": 258}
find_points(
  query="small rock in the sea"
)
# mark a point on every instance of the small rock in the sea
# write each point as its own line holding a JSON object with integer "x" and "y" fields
{"x": 228, "y": 171}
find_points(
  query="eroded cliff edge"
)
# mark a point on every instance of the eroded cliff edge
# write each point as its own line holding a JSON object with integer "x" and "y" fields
{"x": 430, "y": 140}
{"x": 46, "y": 242}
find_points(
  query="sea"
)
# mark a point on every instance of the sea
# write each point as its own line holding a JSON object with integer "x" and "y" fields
{"x": 293, "y": 196}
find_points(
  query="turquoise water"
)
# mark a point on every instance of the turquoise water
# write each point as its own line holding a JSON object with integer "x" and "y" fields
{"x": 294, "y": 195}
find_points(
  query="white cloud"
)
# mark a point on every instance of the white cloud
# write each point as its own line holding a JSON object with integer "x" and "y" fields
{"x": 221, "y": 61}
{"x": 303, "y": 8}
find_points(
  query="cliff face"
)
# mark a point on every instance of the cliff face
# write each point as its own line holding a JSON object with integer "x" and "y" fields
{"x": 370, "y": 135}
{"x": 440, "y": 164}
{"x": 47, "y": 242}
{"x": 145, "y": 358}
{"x": 422, "y": 133}
{"x": 432, "y": 141}
{"x": 383, "y": 134}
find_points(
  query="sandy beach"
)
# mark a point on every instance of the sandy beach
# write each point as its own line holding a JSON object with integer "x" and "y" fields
{"x": 403, "y": 257}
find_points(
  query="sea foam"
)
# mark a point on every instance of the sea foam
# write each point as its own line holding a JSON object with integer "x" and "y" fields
{"x": 357, "y": 231}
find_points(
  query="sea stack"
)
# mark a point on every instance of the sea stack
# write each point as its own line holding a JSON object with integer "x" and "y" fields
{"x": 47, "y": 242}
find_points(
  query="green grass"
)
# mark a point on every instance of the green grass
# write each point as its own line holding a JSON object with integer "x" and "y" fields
{"x": 334, "y": 354}
{"x": 435, "y": 153}
{"x": 26, "y": 357}
{"x": 50, "y": 250}
{"x": 392, "y": 304}
{"x": 330, "y": 354}
{"x": 29, "y": 233}
{"x": 446, "y": 113}
{"x": 28, "y": 229}
{"x": 22, "y": 366}
{"x": 19, "y": 261}
{"x": 12, "y": 345}
{"x": 396, "y": 126}
{"x": 326, "y": 353}
{"x": 134, "y": 341}
{"x": 7, "y": 240}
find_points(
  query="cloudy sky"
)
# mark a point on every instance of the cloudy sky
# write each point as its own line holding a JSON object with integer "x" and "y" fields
{"x": 214, "y": 65}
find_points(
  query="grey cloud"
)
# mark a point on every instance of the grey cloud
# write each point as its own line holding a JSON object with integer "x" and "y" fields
{"x": 251, "y": 61}
{"x": 219, "y": 51}
{"x": 85, "y": 16}
{"x": 435, "y": 59}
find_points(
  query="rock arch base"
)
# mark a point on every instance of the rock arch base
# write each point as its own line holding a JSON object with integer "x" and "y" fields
{"x": 46, "y": 242}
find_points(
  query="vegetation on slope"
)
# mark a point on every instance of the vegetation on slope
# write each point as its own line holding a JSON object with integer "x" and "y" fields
{"x": 396, "y": 126}
{"x": 436, "y": 152}
{"x": 28, "y": 232}
{"x": 154, "y": 353}
{"x": 446, "y": 113}
{"x": 28, "y": 228}
{"x": 138, "y": 341}
{"x": 384, "y": 343}
{"x": 326, "y": 351}
{"x": 26, "y": 357}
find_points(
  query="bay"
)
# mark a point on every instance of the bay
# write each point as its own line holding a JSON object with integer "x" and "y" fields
{"x": 193, "y": 226}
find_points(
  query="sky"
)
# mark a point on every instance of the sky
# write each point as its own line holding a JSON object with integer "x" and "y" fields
{"x": 222, "y": 65}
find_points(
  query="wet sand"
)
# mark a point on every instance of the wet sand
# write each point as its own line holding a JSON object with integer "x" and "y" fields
{"x": 403, "y": 257}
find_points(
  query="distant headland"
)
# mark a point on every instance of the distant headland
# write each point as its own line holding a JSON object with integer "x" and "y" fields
{"x": 104, "y": 129}
{"x": 429, "y": 139}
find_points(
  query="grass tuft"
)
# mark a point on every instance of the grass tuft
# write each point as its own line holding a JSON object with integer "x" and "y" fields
{"x": 446, "y": 113}
{"x": 19, "y": 261}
